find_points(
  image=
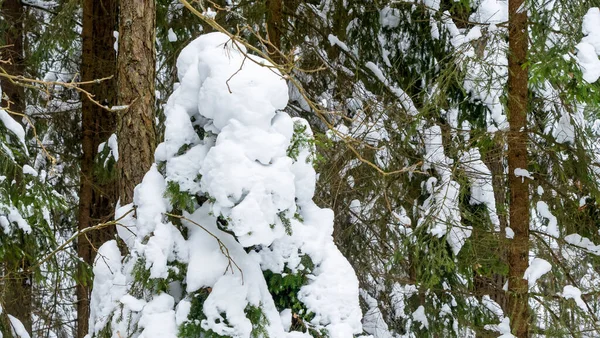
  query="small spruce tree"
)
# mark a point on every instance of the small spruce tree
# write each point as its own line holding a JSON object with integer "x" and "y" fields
{"x": 223, "y": 238}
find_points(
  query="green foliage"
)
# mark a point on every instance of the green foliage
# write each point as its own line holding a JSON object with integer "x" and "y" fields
{"x": 285, "y": 286}
{"x": 143, "y": 284}
{"x": 300, "y": 140}
{"x": 181, "y": 200}
{"x": 192, "y": 328}
{"x": 105, "y": 166}
{"x": 259, "y": 321}
{"x": 286, "y": 223}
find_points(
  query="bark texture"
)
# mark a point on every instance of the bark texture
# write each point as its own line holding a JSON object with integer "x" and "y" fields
{"x": 12, "y": 51}
{"x": 274, "y": 18}
{"x": 17, "y": 290}
{"x": 518, "y": 250}
{"x": 17, "y": 285}
{"x": 136, "y": 67}
{"x": 97, "y": 194}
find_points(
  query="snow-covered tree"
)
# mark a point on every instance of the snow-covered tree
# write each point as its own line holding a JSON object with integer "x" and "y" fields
{"x": 223, "y": 238}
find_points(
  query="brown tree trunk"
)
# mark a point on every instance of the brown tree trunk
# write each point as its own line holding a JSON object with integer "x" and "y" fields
{"x": 17, "y": 290}
{"x": 18, "y": 283}
{"x": 136, "y": 67}
{"x": 274, "y": 21}
{"x": 518, "y": 250}
{"x": 12, "y": 12}
{"x": 96, "y": 194}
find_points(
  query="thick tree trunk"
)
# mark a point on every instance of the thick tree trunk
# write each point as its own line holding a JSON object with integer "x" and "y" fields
{"x": 97, "y": 196}
{"x": 136, "y": 67}
{"x": 18, "y": 283}
{"x": 518, "y": 250}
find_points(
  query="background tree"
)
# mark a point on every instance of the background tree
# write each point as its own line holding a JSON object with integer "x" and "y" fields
{"x": 97, "y": 195}
{"x": 518, "y": 101}
{"x": 136, "y": 64}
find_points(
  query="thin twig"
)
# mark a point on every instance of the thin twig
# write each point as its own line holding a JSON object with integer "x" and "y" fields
{"x": 222, "y": 246}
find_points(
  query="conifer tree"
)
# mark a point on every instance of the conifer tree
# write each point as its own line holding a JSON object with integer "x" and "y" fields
{"x": 97, "y": 195}
{"x": 226, "y": 240}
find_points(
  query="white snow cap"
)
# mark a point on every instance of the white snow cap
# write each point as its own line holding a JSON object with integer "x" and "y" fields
{"x": 536, "y": 269}
{"x": 589, "y": 47}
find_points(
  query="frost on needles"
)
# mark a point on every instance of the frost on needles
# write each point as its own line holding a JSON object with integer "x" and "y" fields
{"x": 225, "y": 240}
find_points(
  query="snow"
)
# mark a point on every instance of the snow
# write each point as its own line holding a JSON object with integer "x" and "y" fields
{"x": 14, "y": 216}
{"x": 509, "y": 233}
{"x": 373, "y": 321}
{"x": 572, "y": 292}
{"x": 171, "y": 35}
{"x": 589, "y": 47}
{"x": 116, "y": 44}
{"x": 588, "y": 61}
{"x": 13, "y": 126}
{"x": 486, "y": 71}
{"x": 113, "y": 147}
{"x": 503, "y": 328}
{"x": 28, "y": 170}
{"x": 492, "y": 306}
{"x": 158, "y": 318}
{"x": 582, "y": 242}
{"x": 240, "y": 164}
{"x": 17, "y": 328}
{"x": 389, "y": 17}
{"x": 334, "y": 40}
{"x": 442, "y": 205}
{"x": 286, "y": 319}
{"x": 419, "y": 316}
{"x": 133, "y": 303}
{"x": 109, "y": 285}
{"x": 491, "y": 11}
{"x": 523, "y": 173}
{"x": 543, "y": 209}
{"x": 183, "y": 311}
{"x": 482, "y": 191}
{"x": 536, "y": 269}
{"x": 405, "y": 99}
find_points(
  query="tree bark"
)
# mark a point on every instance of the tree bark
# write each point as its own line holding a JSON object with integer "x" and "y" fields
{"x": 274, "y": 19}
{"x": 97, "y": 196}
{"x": 18, "y": 283}
{"x": 136, "y": 67}
{"x": 13, "y": 14}
{"x": 518, "y": 250}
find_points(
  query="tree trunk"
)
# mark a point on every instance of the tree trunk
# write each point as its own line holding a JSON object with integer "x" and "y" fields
{"x": 97, "y": 194}
{"x": 136, "y": 67}
{"x": 18, "y": 283}
{"x": 274, "y": 21}
{"x": 17, "y": 290}
{"x": 12, "y": 12}
{"x": 518, "y": 251}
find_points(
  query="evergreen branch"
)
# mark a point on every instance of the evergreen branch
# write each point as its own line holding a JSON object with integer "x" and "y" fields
{"x": 76, "y": 235}
{"x": 76, "y": 85}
